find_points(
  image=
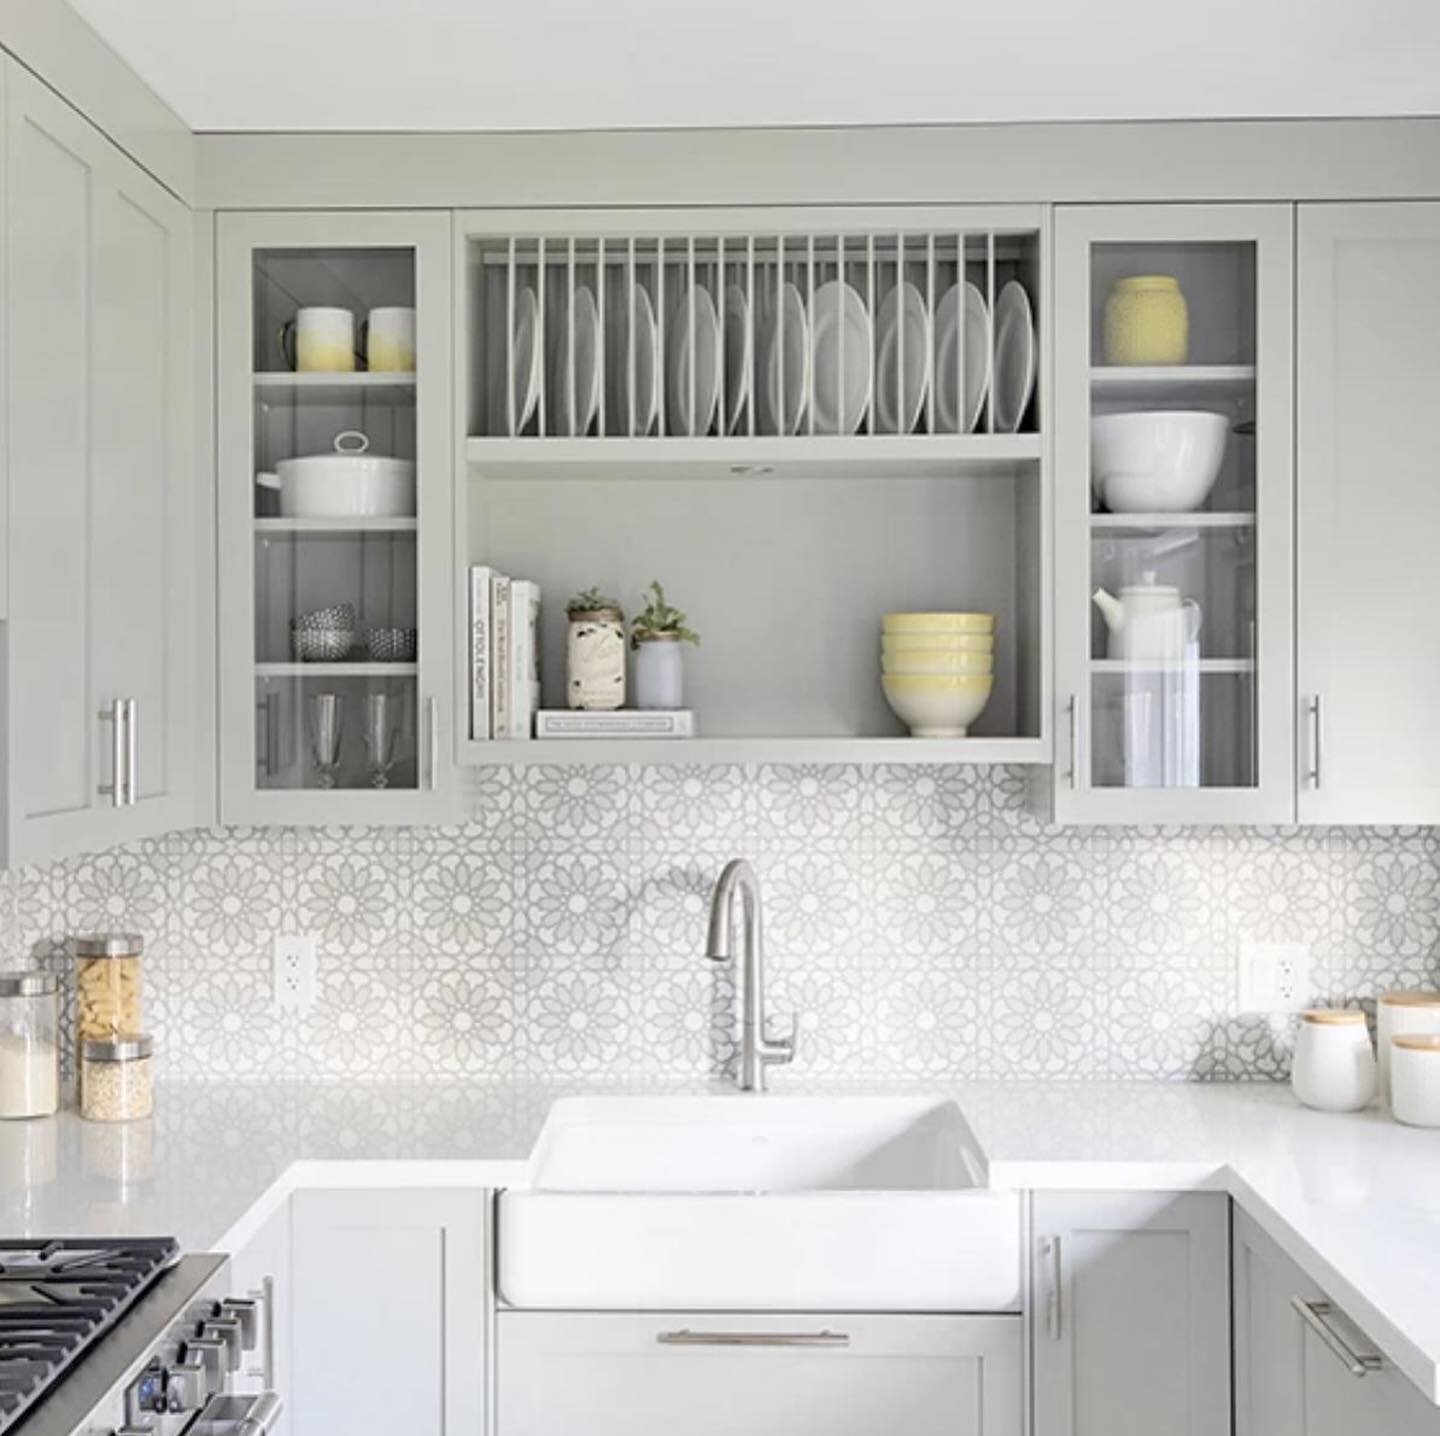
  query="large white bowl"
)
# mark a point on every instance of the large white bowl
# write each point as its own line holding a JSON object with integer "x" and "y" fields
{"x": 932, "y": 706}
{"x": 1159, "y": 461}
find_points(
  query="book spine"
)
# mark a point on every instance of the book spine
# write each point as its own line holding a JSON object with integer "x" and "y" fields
{"x": 500, "y": 657}
{"x": 522, "y": 637}
{"x": 480, "y": 652}
{"x": 565, "y": 723}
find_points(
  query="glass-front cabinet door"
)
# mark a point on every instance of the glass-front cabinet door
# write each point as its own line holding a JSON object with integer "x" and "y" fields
{"x": 335, "y": 507}
{"x": 1173, "y": 507}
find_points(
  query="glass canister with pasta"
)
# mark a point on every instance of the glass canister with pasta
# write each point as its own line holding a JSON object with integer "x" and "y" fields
{"x": 107, "y": 984}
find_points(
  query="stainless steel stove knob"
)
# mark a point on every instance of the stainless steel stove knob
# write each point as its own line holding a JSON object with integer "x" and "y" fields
{"x": 245, "y": 1310}
{"x": 185, "y": 1384}
{"x": 211, "y": 1352}
{"x": 230, "y": 1333}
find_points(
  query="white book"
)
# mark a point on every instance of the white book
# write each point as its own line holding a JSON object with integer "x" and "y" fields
{"x": 499, "y": 656}
{"x": 622, "y": 723}
{"x": 480, "y": 651}
{"x": 524, "y": 656}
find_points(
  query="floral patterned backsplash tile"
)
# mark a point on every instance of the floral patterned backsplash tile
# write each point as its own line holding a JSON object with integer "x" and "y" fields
{"x": 920, "y": 923}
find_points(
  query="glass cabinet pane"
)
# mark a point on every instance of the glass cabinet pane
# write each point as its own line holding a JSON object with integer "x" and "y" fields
{"x": 1172, "y": 514}
{"x": 336, "y": 610}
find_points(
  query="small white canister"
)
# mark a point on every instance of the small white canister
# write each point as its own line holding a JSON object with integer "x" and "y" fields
{"x": 1398, "y": 1012}
{"x": 1415, "y": 1079}
{"x": 595, "y": 659}
{"x": 1334, "y": 1065}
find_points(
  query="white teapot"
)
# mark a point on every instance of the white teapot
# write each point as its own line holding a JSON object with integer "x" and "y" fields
{"x": 1149, "y": 621}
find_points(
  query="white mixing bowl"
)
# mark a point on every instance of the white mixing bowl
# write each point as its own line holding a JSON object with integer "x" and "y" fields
{"x": 1160, "y": 461}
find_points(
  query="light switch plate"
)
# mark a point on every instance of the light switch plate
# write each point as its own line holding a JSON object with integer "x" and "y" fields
{"x": 294, "y": 972}
{"x": 1274, "y": 976}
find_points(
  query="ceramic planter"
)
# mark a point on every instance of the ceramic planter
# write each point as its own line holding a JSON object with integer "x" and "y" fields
{"x": 595, "y": 659}
{"x": 659, "y": 673}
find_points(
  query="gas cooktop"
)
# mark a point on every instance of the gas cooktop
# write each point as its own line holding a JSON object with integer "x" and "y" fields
{"x": 57, "y": 1298}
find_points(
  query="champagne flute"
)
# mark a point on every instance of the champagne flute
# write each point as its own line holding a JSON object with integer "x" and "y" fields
{"x": 382, "y": 733}
{"x": 325, "y": 732}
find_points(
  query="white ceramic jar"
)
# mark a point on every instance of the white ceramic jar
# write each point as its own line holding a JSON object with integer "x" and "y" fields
{"x": 1334, "y": 1065}
{"x": 1400, "y": 1012}
{"x": 595, "y": 659}
{"x": 1415, "y": 1079}
{"x": 659, "y": 674}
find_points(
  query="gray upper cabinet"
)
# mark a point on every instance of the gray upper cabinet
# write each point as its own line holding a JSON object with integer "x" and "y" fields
{"x": 1369, "y": 584}
{"x": 1174, "y": 513}
{"x": 101, "y": 483}
{"x": 350, "y": 724}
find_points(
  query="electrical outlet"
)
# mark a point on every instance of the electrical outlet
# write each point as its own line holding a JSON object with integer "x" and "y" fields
{"x": 1274, "y": 976}
{"x": 294, "y": 972}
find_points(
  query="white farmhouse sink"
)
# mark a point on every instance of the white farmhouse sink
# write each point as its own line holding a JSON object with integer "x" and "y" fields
{"x": 759, "y": 1203}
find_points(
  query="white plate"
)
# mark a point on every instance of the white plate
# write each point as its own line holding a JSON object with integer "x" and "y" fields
{"x": 706, "y": 367}
{"x": 525, "y": 352}
{"x": 917, "y": 360}
{"x": 777, "y": 417}
{"x": 947, "y": 354}
{"x": 1014, "y": 356}
{"x": 586, "y": 374}
{"x": 839, "y": 310}
{"x": 647, "y": 368}
{"x": 739, "y": 358}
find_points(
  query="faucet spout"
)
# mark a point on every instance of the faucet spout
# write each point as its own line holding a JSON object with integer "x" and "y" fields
{"x": 757, "y": 1050}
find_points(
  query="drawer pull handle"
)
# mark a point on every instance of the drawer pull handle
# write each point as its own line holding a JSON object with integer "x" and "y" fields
{"x": 686, "y": 1337}
{"x": 1313, "y": 1314}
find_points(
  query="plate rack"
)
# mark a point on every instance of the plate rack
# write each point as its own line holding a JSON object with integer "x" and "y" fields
{"x": 533, "y": 290}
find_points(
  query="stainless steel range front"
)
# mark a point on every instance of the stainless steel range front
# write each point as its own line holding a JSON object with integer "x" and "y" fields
{"x": 125, "y": 1337}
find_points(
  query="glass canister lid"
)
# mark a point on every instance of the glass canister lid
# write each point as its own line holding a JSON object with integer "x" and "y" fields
{"x": 109, "y": 944}
{"x": 123, "y": 1047}
{"x": 28, "y": 984}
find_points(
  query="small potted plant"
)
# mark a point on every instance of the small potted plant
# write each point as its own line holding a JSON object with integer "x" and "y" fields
{"x": 595, "y": 652}
{"x": 656, "y": 636}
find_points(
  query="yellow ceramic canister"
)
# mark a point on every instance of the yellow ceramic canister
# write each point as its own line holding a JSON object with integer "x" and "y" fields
{"x": 1147, "y": 321}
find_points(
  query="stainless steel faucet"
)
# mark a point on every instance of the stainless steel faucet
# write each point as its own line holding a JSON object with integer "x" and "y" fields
{"x": 757, "y": 1050}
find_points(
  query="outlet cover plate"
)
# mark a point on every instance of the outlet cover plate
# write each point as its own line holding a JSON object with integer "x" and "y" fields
{"x": 1274, "y": 976}
{"x": 294, "y": 972}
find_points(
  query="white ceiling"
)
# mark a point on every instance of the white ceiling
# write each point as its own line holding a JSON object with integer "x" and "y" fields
{"x": 563, "y": 64}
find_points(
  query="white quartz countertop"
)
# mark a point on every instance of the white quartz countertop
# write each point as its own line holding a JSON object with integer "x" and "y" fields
{"x": 1354, "y": 1200}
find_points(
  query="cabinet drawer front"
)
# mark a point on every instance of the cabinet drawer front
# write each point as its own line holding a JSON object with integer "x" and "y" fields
{"x": 771, "y": 1375}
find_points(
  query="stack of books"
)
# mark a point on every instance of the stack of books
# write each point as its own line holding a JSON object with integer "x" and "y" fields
{"x": 504, "y": 654}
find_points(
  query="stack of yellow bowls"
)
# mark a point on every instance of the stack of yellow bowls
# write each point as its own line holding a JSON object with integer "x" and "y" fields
{"x": 937, "y": 670}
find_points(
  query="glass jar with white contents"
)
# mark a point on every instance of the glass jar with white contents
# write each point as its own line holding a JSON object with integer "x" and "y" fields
{"x": 29, "y": 1046}
{"x": 117, "y": 1082}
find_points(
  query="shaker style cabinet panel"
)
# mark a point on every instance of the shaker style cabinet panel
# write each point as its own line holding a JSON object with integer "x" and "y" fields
{"x": 101, "y": 479}
{"x": 1302, "y": 1367}
{"x": 1131, "y": 1314}
{"x": 714, "y": 1375}
{"x": 1173, "y": 514}
{"x": 1369, "y": 513}
{"x": 335, "y": 517}
{"x": 388, "y": 1311}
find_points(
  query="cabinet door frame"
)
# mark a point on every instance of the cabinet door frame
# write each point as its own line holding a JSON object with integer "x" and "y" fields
{"x": 238, "y": 236}
{"x": 1059, "y": 1219}
{"x": 1270, "y": 227}
{"x": 1327, "y": 798}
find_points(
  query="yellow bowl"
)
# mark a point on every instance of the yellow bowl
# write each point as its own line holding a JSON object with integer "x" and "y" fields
{"x": 932, "y": 661}
{"x": 937, "y": 642}
{"x": 937, "y": 706}
{"x": 939, "y": 623}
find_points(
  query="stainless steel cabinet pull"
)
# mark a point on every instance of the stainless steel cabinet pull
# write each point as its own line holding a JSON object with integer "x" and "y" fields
{"x": 1073, "y": 709}
{"x": 1313, "y": 776}
{"x": 1054, "y": 1275}
{"x": 115, "y": 788}
{"x": 1313, "y": 1314}
{"x": 132, "y": 751}
{"x": 432, "y": 744}
{"x": 686, "y": 1337}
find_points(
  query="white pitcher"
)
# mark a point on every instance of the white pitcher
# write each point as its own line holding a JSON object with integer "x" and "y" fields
{"x": 1149, "y": 621}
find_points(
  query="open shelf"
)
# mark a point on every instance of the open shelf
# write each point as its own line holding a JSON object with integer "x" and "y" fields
{"x": 1144, "y": 382}
{"x": 820, "y": 456}
{"x": 336, "y": 670}
{"x": 742, "y": 750}
{"x": 335, "y": 526}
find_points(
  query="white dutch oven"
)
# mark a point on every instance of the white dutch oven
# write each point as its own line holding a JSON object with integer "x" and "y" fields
{"x": 349, "y": 483}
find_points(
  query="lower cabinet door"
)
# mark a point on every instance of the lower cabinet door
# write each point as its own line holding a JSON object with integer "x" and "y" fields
{"x": 701, "y": 1374}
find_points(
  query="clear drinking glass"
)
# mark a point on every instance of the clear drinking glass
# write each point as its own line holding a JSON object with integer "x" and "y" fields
{"x": 382, "y": 733}
{"x": 326, "y": 728}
